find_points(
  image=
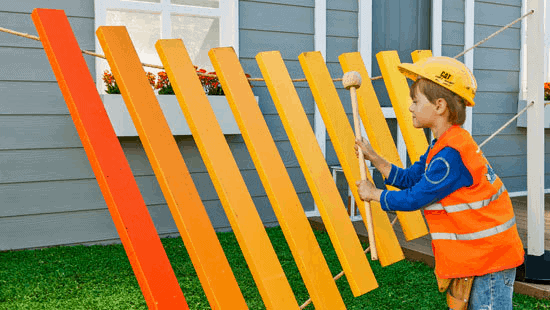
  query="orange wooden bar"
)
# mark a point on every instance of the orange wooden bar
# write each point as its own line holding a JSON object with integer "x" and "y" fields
{"x": 317, "y": 173}
{"x": 343, "y": 140}
{"x": 276, "y": 181}
{"x": 380, "y": 136}
{"x": 187, "y": 209}
{"x": 128, "y": 210}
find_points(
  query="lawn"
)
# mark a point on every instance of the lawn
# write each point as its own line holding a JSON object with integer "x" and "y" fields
{"x": 100, "y": 277}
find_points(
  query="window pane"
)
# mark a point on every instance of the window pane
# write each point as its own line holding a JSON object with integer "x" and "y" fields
{"x": 201, "y": 3}
{"x": 144, "y": 30}
{"x": 199, "y": 34}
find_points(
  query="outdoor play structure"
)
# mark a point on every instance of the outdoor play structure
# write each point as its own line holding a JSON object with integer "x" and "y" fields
{"x": 127, "y": 207}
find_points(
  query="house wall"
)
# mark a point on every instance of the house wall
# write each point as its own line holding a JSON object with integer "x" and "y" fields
{"x": 48, "y": 192}
{"x": 497, "y": 71}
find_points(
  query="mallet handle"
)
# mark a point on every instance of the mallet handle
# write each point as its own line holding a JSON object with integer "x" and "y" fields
{"x": 368, "y": 214}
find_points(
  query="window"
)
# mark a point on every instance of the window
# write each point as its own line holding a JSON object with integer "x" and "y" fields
{"x": 201, "y": 24}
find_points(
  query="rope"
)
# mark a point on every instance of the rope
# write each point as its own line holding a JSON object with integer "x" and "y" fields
{"x": 506, "y": 125}
{"x": 28, "y": 36}
{"x": 495, "y": 33}
{"x": 338, "y": 276}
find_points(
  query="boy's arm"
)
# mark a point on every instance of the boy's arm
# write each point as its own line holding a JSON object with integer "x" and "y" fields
{"x": 445, "y": 174}
{"x": 406, "y": 178}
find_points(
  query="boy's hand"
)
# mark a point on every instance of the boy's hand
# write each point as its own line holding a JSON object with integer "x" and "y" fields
{"x": 366, "y": 148}
{"x": 367, "y": 191}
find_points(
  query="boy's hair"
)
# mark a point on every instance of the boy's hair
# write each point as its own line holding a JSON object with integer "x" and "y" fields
{"x": 433, "y": 91}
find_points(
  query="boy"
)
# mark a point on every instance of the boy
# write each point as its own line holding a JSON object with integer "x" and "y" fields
{"x": 466, "y": 206}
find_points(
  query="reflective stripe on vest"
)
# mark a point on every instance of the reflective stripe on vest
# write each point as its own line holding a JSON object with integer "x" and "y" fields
{"x": 477, "y": 235}
{"x": 465, "y": 206}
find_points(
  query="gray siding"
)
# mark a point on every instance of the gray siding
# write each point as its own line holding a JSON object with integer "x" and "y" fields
{"x": 342, "y": 37}
{"x": 48, "y": 192}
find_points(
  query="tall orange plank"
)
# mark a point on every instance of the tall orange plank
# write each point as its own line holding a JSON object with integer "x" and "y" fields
{"x": 380, "y": 136}
{"x": 128, "y": 210}
{"x": 398, "y": 91}
{"x": 174, "y": 178}
{"x": 317, "y": 173}
{"x": 277, "y": 183}
{"x": 343, "y": 139}
{"x": 228, "y": 181}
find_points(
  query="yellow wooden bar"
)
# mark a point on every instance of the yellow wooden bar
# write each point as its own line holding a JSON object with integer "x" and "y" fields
{"x": 228, "y": 181}
{"x": 172, "y": 174}
{"x": 317, "y": 173}
{"x": 343, "y": 140}
{"x": 276, "y": 181}
{"x": 398, "y": 91}
{"x": 380, "y": 136}
{"x": 420, "y": 54}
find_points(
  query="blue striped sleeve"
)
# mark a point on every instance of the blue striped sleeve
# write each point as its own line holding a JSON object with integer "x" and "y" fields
{"x": 445, "y": 174}
{"x": 405, "y": 178}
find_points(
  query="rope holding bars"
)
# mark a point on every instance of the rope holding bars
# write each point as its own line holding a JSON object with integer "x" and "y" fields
{"x": 494, "y": 34}
{"x": 338, "y": 276}
{"x": 28, "y": 36}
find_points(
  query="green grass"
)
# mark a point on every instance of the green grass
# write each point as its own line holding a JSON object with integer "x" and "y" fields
{"x": 100, "y": 277}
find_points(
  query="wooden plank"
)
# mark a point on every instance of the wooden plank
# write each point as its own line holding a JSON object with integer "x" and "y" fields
{"x": 83, "y": 29}
{"x": 380, "y": 136}
{"x": 317, "y": 173}
{"x": 290, "y": 44}
{"x": 82, "y": 8}
{"x": 275, "y": 17}
{"x": 342, "y": 24}
{"x": 41, "y": 131}
{"x": 343, "y": 140}
{"x": 276, "y": 181}
{"x": 398, "y": 90}
{"x": 205, "y": 251}
{"x": 132, "y": 220}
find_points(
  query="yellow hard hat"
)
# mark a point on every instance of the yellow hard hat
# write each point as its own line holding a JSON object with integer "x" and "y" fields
{"x": 445, "y": 71}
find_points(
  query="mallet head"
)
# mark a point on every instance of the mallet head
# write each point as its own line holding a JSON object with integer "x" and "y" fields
{"x": 351, "y": 79}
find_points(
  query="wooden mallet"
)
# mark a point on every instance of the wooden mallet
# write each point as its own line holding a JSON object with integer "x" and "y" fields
{"x": 351, "y": 81}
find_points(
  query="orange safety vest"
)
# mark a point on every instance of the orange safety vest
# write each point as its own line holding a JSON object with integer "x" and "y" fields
{"x": 473, "y": 229}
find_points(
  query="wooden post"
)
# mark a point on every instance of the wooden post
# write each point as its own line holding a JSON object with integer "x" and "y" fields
{"x": 535, "y": 129}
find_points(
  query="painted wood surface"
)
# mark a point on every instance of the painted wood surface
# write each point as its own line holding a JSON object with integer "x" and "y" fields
{"x": 199, "y": 237}
{"x": 343, "y": 140}
{"x": 398, "y": 90}
{"x": 134, "y": 225}
{"x": 253, "y": 240}
{"x": 317, "y": 173}
{"x": 276, "y": 181}
{"x": 380, "y": 137}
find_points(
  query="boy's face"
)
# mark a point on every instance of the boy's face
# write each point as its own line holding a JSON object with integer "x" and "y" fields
{"x": 423, "y": 111}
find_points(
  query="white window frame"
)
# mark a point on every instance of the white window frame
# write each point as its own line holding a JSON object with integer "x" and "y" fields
{"x": 228, "y": 13}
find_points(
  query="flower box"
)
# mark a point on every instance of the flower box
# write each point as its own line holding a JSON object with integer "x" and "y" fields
{"x": 522, "y": 119}
{"x": 124, "y": 127}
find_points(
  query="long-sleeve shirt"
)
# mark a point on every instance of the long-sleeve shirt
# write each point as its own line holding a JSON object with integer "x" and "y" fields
{"x": 421, "y": 187}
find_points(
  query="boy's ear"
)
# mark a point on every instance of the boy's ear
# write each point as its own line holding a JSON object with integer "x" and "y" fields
{"x": 440, "y": 106}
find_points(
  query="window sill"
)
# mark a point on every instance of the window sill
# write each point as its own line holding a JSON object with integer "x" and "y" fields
{"x": 124, "y": 127}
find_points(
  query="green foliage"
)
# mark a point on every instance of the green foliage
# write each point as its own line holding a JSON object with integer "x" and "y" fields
{"x": 100, "y": 277}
